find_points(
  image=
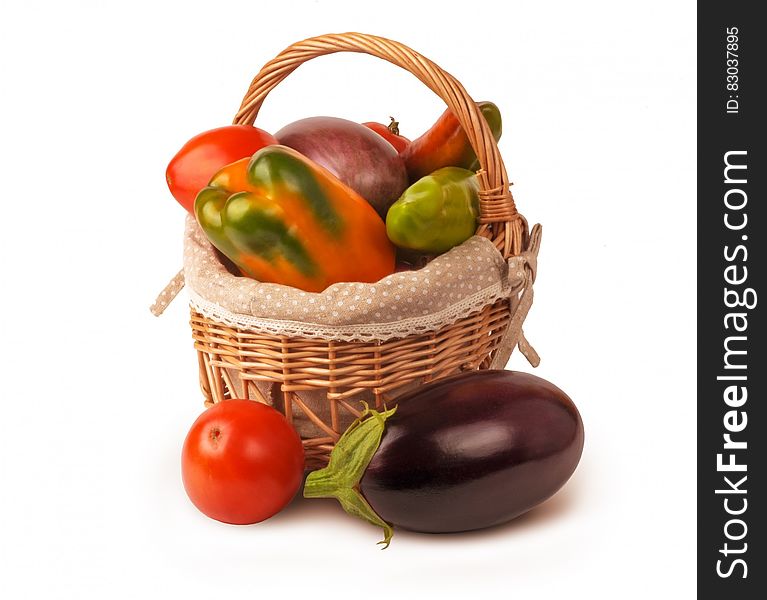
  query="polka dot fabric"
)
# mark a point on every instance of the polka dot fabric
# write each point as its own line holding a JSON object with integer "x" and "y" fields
{"x": 453, "y": 285}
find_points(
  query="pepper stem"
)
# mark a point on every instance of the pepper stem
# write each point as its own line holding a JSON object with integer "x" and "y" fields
{"x": 393, "y": 126}
{"x": 348, "y": 461}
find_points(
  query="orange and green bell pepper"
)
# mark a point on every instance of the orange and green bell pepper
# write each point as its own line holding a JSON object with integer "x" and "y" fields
{"x": 281, "y": 218}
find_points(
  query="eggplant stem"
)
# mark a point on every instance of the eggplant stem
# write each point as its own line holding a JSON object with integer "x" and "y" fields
{"x": 348, "y": 461}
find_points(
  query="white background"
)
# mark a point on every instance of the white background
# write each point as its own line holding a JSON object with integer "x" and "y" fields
{"x": 599, "y": 136}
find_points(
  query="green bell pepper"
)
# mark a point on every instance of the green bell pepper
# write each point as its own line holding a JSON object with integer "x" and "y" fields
{"x": 437, "y": 212}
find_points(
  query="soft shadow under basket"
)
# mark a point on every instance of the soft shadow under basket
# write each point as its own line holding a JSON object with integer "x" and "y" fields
{"x": 463, "y": 311}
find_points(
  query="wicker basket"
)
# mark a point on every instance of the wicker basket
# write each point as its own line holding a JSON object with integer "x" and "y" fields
{"x": 237, "y": 362}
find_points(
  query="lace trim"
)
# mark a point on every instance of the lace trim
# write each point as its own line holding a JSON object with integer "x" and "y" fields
{"x": 379, "y": 332}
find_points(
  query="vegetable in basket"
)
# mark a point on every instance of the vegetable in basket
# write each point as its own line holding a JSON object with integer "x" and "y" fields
{"x": 466, "y": 452}
{"x": 446, "y": 144}
{"x": 437, "y": 212}
{"x": 201, "y": 157}
{"x": 281, "y": 218}
{"x": 390, "y": 133}
{"x": 358, "y": 156}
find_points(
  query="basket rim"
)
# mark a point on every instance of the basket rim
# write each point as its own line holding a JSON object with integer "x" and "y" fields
{"x": 363, "y": 332}
{"x": 476, "y": 272}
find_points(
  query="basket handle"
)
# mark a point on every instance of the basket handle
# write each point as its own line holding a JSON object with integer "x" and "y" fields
{"x": 499, "y": 220}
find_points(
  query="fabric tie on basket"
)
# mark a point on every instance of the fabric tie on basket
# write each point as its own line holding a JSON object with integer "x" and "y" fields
{"x": 458, "y": 283}
{"x": 168, "y": 294}
{"x": 522, "y": 271}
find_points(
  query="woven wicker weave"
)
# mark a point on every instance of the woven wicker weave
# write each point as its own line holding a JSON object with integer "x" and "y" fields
{"x": 238, "y": 362}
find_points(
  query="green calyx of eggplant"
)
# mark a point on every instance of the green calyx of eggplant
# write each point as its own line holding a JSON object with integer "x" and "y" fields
{"x": 348, "y": 460}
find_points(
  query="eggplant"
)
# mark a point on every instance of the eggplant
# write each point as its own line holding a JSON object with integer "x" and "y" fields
{"x": 466, "y": 452}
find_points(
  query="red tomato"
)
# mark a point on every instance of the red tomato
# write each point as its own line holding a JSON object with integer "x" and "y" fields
{"x": 206, "y": 153}
{"x": 398, "y": 141}
{"x": 242, "y": 462}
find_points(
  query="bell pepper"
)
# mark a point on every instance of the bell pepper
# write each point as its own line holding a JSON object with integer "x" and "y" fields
{"x": 282, "y": 218}
{"x": 437, "y": 212}
{"x": 446, "y": 145}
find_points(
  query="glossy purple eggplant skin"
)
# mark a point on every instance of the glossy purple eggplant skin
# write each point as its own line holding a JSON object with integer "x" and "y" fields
{"x": 472, "y": 451}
